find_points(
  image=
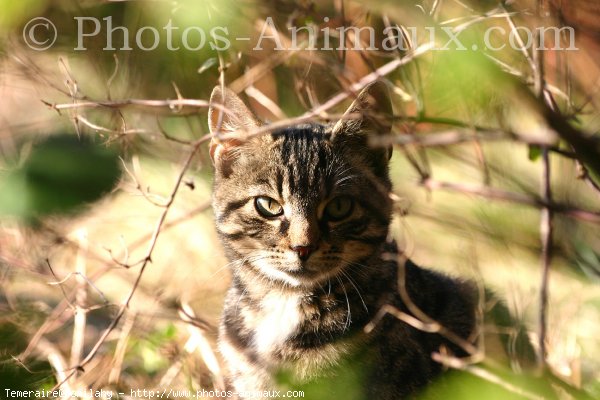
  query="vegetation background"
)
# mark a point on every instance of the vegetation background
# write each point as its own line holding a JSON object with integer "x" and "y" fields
{"x": 111, "y": 276}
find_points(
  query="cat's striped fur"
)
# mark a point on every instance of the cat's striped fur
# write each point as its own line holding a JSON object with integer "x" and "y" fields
{"x": 303, "y": 214}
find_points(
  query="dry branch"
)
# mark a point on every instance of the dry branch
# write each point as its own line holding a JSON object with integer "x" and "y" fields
{"x": 148, "y": 258}
{"x": 498, "y": 194}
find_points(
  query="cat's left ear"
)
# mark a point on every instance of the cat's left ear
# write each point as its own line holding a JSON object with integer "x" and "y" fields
{"x": 370, "y": 115}
{"x": 227, "y": 115}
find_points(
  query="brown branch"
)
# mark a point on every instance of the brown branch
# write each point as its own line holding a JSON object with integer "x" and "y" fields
{"x": 367, "y": 79}
{"x": 164, "y": 133}
{"x": 92, "y": 353}
{"x": 132, "y": 131}
{"x": 120, "y": 350}
{"x": 419, "y": 320}
{"x": 429, "y": 326}
{"x": 546, "y": 233}
{"x": 171, "y": 104}
{"x": 80, "y": 313}
{"x": 320, "y": 111}
{"x": 453, "y": 137}
{"x": 499, "y": 194}
{"x": 482, "y": 373}
{"x": 51, "y": 322}
{"x": 546, "y": 228}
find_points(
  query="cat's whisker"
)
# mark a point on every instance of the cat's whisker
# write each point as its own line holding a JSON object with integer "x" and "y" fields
{"x": 247, "y": 258}
{"x": 212, "y": 276}
{"x": 346, "y": 169}
{"x": 230, "y": 265}
{"x": 348, "y": 316}
{"x": 237, "y": 304}
{"x": 339, "y": 182}
{"x": 344, "y": 274}
{"x": 363, "y": 268}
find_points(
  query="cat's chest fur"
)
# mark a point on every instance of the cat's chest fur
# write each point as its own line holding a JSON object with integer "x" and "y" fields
{"x": 304, "y": 332}
{"x": 276, "y": 320}
{"x": 285, "y": 326}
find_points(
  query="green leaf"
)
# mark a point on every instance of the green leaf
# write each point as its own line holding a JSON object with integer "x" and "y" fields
{"x": 535, "y": 152}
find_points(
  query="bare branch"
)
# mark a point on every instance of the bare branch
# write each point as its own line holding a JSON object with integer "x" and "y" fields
{"x": 92, "y": 353}
{"x": 482, "y": 373}
{"x": 498, "y": 194}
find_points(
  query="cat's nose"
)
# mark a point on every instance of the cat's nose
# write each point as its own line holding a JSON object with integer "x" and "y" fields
{"x": 304, "y": 251}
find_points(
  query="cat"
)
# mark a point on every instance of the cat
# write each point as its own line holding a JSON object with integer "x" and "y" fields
{"x": 303, "y": 214}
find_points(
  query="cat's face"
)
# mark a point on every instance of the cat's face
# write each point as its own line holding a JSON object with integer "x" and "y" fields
{"x": 300, "y": 205}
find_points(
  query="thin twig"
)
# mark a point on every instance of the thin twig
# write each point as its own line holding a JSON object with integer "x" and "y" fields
{"x": 498, "y": 194}
{"x": 482, "y": 373}
{"x": 80, "y": 313}
{"x": 121, "y": 349}
{"x": 153, "y": 241}
{"x": 170, "y": 104}
{"x": 546, "y": 256}
{"x": 546, "y": 228}
{"x": 369, "y": 78}
{"x": 429, "y": 326}
{"x": 58, "y": 316}
{"x": 457, "y": 136}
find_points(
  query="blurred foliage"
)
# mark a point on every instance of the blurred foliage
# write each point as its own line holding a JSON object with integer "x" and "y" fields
{"x": 15, "y": 13}
{"x": 468, "y": 386}
{"x": 59, "y": 175}
{"x": 13, "y": 375}
{"x": 348, "y": 383}
{"x": 149, "y": 350}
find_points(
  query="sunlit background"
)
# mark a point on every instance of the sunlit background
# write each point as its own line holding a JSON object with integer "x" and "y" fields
{"x": 101, "y": 183}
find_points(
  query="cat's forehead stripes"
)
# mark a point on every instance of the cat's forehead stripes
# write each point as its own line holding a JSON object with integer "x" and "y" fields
{"x": 305, "y": 157}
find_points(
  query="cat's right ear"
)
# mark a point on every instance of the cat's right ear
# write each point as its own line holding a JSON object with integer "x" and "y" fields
{"x": 370, "y": 115}
{"x": 227, "y": 115}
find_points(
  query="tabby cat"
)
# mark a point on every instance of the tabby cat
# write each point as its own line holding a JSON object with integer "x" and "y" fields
{"x": 303, "y": 214}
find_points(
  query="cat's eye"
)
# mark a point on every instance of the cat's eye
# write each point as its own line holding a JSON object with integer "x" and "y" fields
{"x": 267, "y": 207}
{"x": 339, "y": 208}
